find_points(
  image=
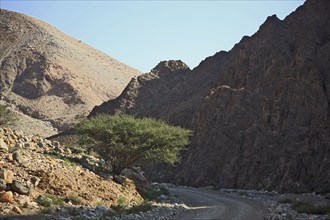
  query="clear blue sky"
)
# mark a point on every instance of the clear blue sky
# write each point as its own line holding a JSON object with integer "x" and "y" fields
{"x": 143, "y": 33}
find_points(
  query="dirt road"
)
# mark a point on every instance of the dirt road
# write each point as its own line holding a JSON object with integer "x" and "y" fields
{"x": 206, "y": 204}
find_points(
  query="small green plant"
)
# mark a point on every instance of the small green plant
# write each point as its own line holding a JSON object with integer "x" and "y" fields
{"x": 48, "y": 200}
{"x": 75, "y": 200}
{"x": 44, "y": 201}
{"x": 121, "y": 201}
{"x": 121, "y": 204}
{"x": 67, "y": 162}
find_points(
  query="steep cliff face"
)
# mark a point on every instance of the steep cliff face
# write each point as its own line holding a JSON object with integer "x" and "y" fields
{"x": 260, "y": 113}
{"x": 155, "y": 94}
{"x": 51, "y": 76}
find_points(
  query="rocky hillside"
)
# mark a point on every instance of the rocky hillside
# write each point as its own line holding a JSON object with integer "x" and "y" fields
{"x": 47, "y": 75}
{"x": 36, "y": 173}
{"x": 260, "y": 112}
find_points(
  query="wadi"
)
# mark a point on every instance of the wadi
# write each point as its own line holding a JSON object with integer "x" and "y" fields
{"x": 245, "y": 134}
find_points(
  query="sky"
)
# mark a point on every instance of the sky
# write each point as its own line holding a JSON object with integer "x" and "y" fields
{"x": 143, "y": 33}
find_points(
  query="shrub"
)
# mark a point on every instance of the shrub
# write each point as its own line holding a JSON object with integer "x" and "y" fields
{"x": 122, "y": 201}
{"x": 124, "y": 139}
{"x": 48, "y": 200}
{"x": 121, "y": 204}
{"x": 75, "y": 200}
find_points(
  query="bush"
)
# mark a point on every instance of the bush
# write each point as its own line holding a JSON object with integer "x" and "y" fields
{"x": 49, "y": 200}
{"x": 121, "y": 204}
{"x": 75, "y": 200}
{"x": 124, "y": 139}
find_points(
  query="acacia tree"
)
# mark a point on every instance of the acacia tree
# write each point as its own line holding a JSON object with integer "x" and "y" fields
{"x": 123, "y": 139}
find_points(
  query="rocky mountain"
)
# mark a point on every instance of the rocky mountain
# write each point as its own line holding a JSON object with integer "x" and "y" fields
{"x": 260, "y": 112}
{"x": 50, "y": 76}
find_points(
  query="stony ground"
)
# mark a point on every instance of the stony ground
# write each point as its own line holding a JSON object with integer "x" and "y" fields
{"x": 25, "y": 123}
{"x": 277, "y": 208}
{"x": 40, "y": 179}
{"x": 36, "y": 173}
{"x": 280, "y": 205}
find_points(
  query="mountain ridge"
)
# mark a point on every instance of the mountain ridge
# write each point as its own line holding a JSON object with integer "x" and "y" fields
{"x": 260, "y": 112}
{"x": 49, "y": 75}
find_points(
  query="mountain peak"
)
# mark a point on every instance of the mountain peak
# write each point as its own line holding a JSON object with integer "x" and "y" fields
{"x": 170, "y": 66}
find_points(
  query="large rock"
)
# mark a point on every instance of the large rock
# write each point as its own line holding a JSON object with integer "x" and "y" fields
{"x": 3, "y": 184}
{"x": 50, "y": 76}
{"x": 260, "y": 112}
{"x": 6, "y": 175}
{"x": 137, "y": 175}
{"x": 20, "y": 188}
{"x": 7, "y": 197}
{"x": 3, "y": 146}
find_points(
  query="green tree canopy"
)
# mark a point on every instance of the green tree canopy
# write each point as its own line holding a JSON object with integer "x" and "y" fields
{"x": 124, "y": 139}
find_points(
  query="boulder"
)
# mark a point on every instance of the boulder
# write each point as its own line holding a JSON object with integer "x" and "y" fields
{"x": 7, "y": 197}
{"x": 3, "y": 146}
{"x": 6, "y": 175}
{"x": 19, "y": 188}
{"x": 137, "y": 175}
{"x": 3, "y": 185}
